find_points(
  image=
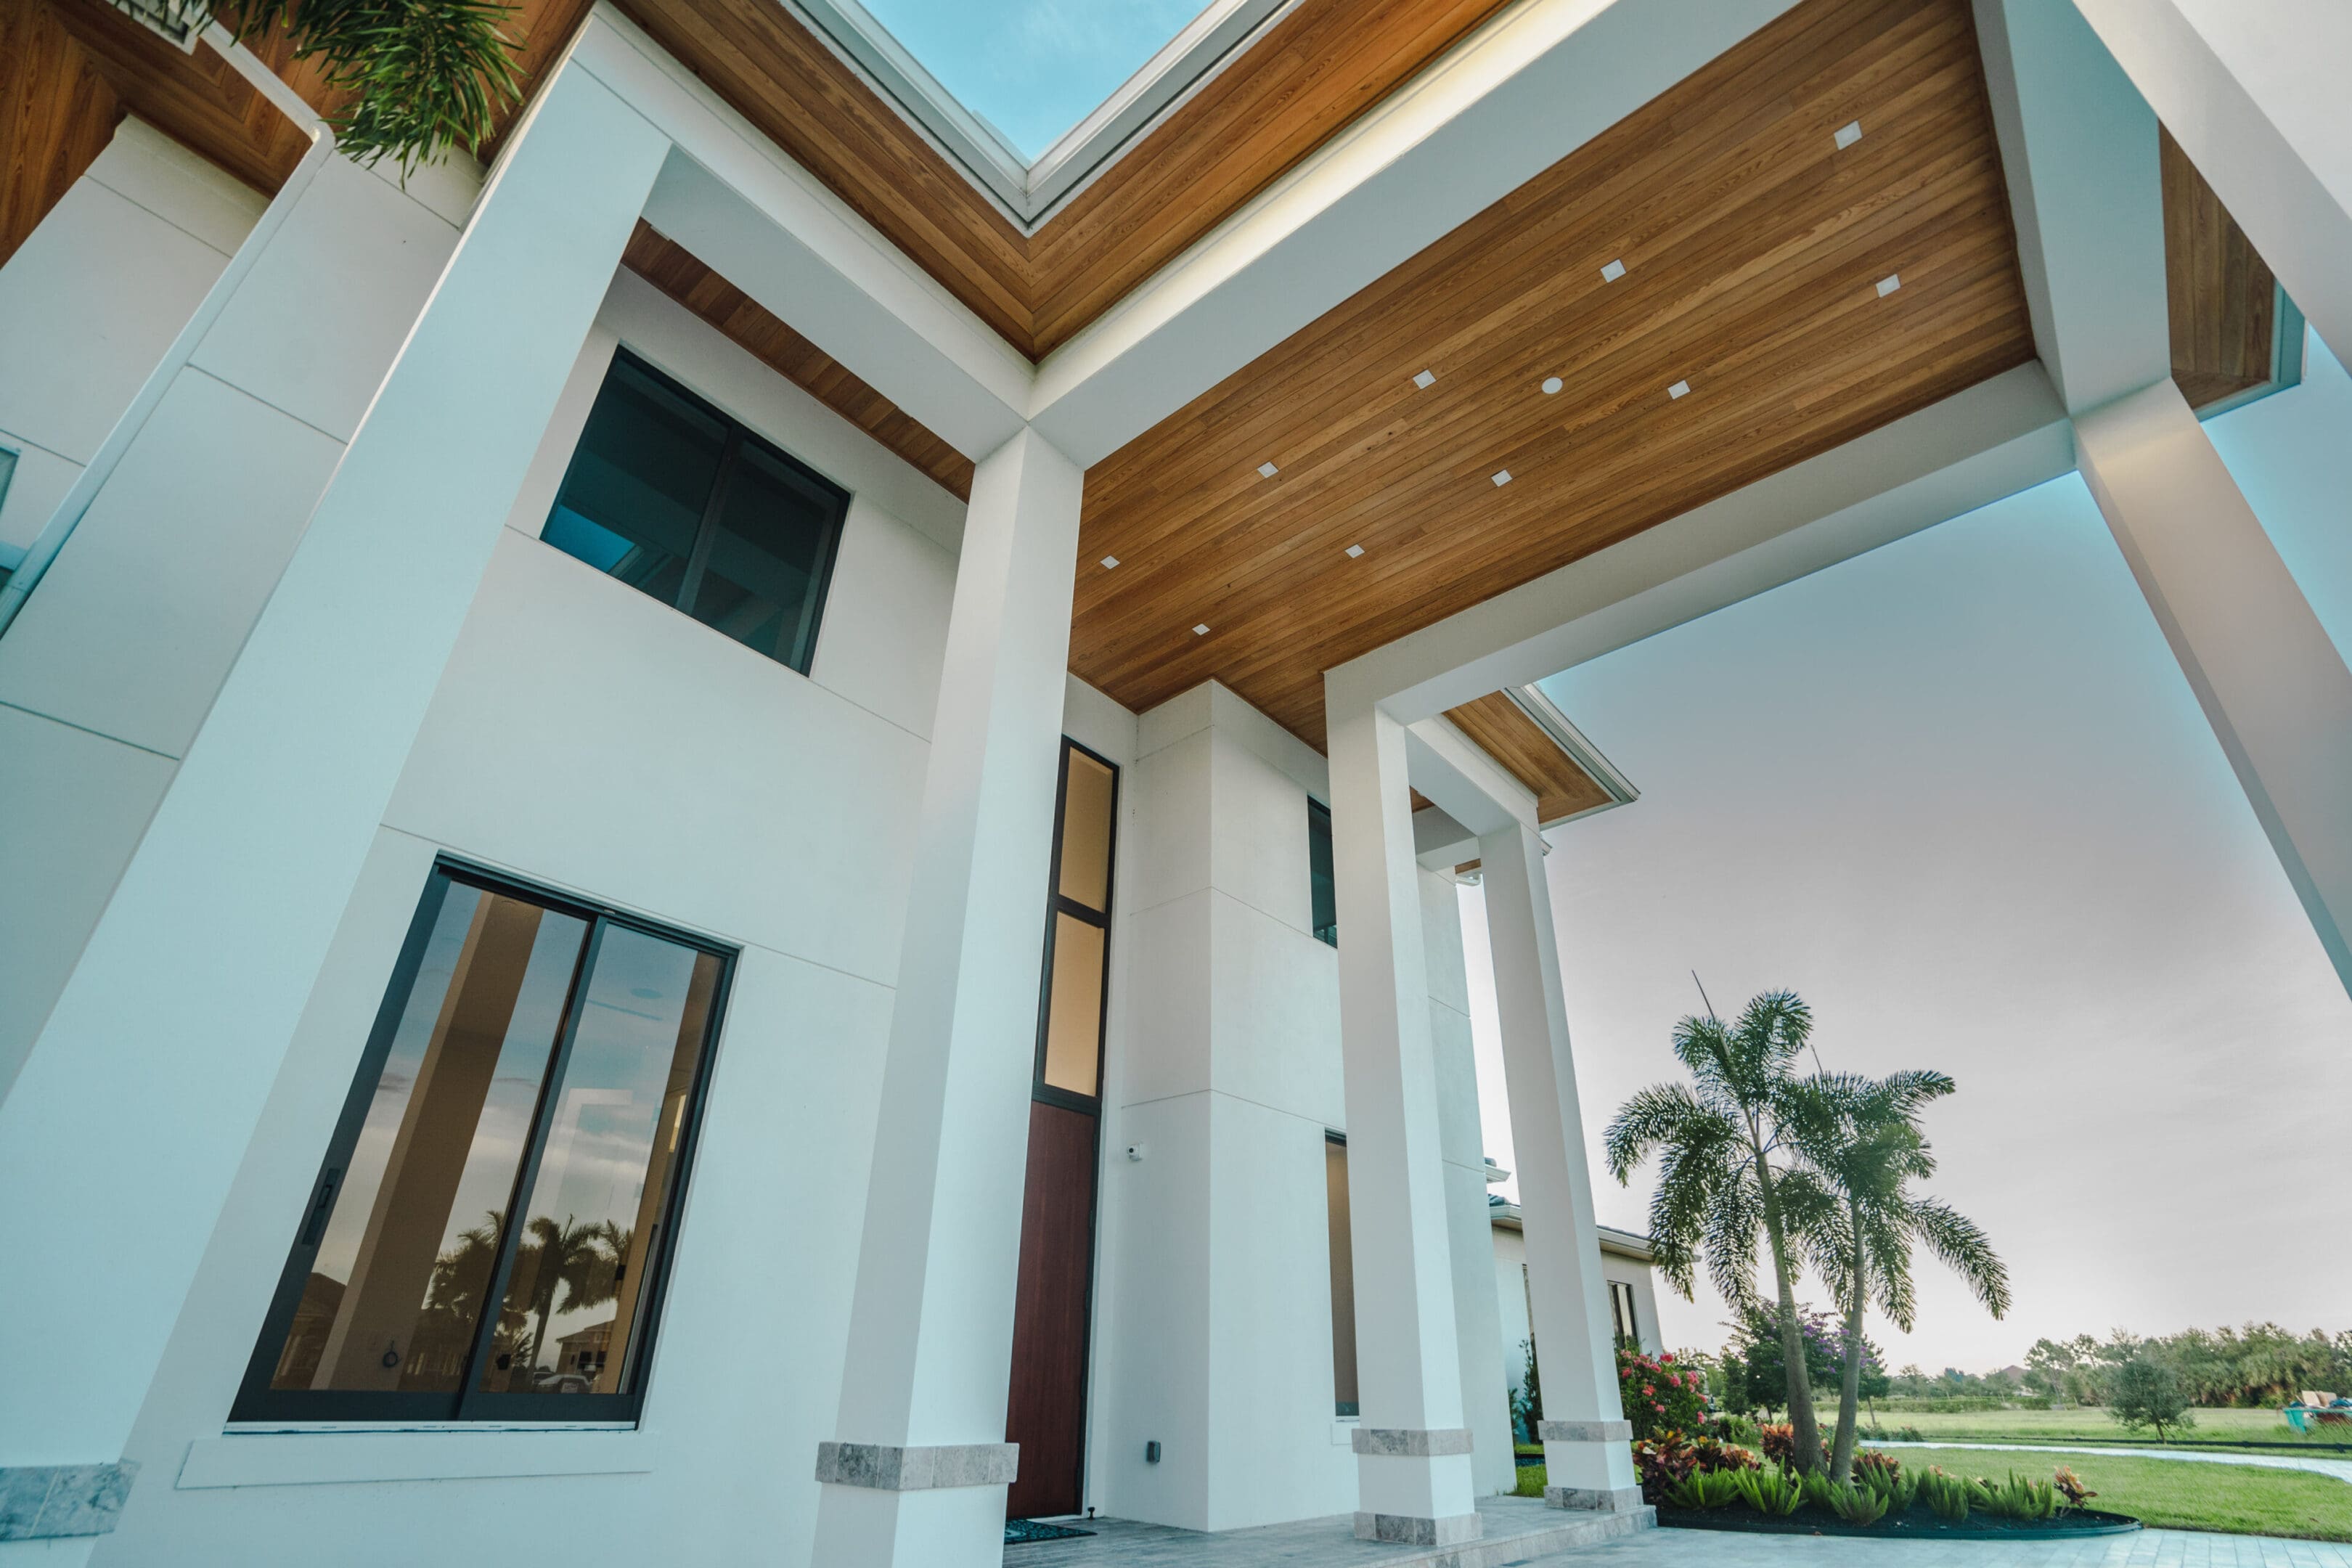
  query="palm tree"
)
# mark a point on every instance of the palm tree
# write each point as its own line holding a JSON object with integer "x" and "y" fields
{"x": 1861, "y": 1147}
{"x": 574, "y": 1256}
{"x": 1718, "y": 1186}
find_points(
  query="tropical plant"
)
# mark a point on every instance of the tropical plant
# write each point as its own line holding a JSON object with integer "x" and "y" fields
{"x": 2145, "y": 1392}
{"x": 1658, "y": 1395}
{"x": 1526, "y": 1399}
{"x": 1718, "y": 1186}
{"x": 1662, "y": 1463}
{"x": 414, "y": 77}
{"x": 1947, "y": 1496}
{"x": 1714, "y": 1454}
{"x": 579, "y": 1259}
{"x": 1855, "y": 1505}
{"x": 1861, "y": 1148}
{"x": 1780, "y": 1441}
{"x": 2019, "y": 1497}
{"x": 1770, "y": 1492}
{"x": 1706, "y": 1489}
{"x": 1876, "y": 1467}
{"x": 1756, "y": 1370}
{"x": 1737, "y": 1429}
{"x": 2071, "y": 1487}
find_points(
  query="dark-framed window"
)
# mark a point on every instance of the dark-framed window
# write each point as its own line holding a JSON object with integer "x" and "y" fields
{"x": 679, "y": 502}
{"x": 1620, "y": 1307}
{"x": 1345, "y": 1398}
{"x": 1323, "y": 890}
{"x": 1073, "y": 1000}
{"x": 533, "y": 1055}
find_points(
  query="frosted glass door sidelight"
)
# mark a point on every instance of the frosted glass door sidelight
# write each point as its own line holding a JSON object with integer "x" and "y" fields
{"x": 528, "y": 1046}
{"x": 1077, "y": 932}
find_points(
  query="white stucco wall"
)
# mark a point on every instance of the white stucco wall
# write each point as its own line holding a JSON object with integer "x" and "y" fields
{"x": 588, "y": 738}
{"x": 1510, "y": 1254}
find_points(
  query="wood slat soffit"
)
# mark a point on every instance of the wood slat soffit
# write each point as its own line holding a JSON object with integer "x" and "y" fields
{"x": 1756, "y": 250}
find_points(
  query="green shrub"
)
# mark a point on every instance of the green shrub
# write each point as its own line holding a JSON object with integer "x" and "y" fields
{"x": 1856, "y": 1505}
{"x": 1770, "y": 1492}
{"x": 1658, "y": 1394}
{"x": 1737, "y": 1429}
{"x": 1707, "y": 1489}
{"x": 2017, "y": 1498}
{"x": 1873, "y": 1465}
{"x": 1948, "y": 1495}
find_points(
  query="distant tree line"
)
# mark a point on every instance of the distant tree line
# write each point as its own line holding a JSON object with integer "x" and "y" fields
{"x": 2254, "y": 1367}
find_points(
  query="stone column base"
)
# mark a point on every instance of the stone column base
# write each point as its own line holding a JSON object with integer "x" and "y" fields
{"x": 887, "y": 1469}
{"x": 1408, "y": 1529}
{"x": 47, "y": 1502}
{"x": 1612, "y": 1499}
{"x": 1585, "y": 1431}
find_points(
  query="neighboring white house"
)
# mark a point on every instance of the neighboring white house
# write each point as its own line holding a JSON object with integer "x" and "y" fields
{"x": 1625, "y": 1261}
{"x": 736, "y": 842}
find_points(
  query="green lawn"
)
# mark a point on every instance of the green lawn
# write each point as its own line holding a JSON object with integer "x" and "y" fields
{"x": 2217, "y": 1429}
{"x": 2238, "y": 1499}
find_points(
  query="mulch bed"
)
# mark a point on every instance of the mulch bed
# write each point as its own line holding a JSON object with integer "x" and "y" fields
{"x": 1918, "y": 1524}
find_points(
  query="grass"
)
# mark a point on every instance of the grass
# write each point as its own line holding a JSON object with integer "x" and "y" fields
{"x": 2219, "y": 1430}
{"x": 1531, "y": 1481}
{"x": 2240, "y": 1499}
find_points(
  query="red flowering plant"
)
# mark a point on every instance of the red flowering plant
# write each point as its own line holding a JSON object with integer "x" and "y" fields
{"x": 1659, "y": 1395}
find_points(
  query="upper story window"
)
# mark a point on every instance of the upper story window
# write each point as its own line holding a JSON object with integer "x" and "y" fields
{"x": 1621, "y": 1309}
{"x": 517, "y": 1134}
{"x": 1077, "y": 931}
{"x": 1323, "y": 890}
{"x": 677, "y": 500}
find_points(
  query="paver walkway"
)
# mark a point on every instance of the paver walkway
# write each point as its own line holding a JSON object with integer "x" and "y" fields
{"x": 2340, "y": 1468}
{"x": 2141, "y": 1548}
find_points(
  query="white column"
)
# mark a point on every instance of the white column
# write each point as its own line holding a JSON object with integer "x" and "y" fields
{"x": 1588, "y": 1459}
{"x": 917, "y": 1473}
{"x": 2272, "y": 684}
{"x": 1413, "y": 1448}
{"x": 120, "y": 1135}
{"x": 2253, "y": 92}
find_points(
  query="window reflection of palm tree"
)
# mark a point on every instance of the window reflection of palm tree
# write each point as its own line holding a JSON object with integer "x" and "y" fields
{"x": 583, "y": 1259}
{"x": 453, "y": 1306}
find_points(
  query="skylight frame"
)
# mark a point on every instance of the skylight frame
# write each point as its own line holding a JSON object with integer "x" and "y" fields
{"x": 1027, "y": 192}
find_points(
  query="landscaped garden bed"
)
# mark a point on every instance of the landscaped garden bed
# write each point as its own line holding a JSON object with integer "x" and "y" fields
{"x": 1914, "y": 1524}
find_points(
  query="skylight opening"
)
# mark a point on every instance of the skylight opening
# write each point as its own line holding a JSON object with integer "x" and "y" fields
{"x": 1034, "y": 96}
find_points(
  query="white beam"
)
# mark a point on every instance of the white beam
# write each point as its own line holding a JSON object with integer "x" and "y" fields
{"x": 2254, "y": 91}
{"x": 772, "y": 229}
{"x": 1998, "y": 437}
{"x": 2078, "y": 145}
{"x": 1529, "y": 88}
{"x": 1462, "y": 780}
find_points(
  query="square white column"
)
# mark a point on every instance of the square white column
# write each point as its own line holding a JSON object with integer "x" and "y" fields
{"x": 919, "y": 1471}
{"x": 2272, "y": 683}
{"x": 120, "y": 1136}
{"x": 1588, "y": 1459}
{"x": 1413, "y": 1448}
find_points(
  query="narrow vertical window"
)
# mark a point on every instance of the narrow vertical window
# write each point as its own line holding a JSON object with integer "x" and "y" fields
{"x": 1078, "y": 936}
{"x": 1620, "y": 1306}
{"x": 1324, "y": 891}
{"x": 1345, "y": 1400}
{"x": 517, "y": 1137}
{"x": 673, "y": 498}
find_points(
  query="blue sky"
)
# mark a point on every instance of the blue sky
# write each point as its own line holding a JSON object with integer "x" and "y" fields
{"x": 1033, "y": 68}
{"x": 1958, "y": 795}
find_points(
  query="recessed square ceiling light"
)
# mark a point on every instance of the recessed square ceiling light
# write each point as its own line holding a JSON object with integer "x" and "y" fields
{"x": 1613, "y": 272}
{"x": 1354, "y": 550}
{"x": 1502, "y": 478}
{"x": 1888, "y": 284}
{"x": 1267, "y": 470}
{"x": 1425, "y": 380}
{"x": 1848, "y": 134}
{"x": 1679, "y": 389}
{"x": 1200, "y": 631}
{"x": 1551, "y": 384}
{"x": 1109, "y": 561}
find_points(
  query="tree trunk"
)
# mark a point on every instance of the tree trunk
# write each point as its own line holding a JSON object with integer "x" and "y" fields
{"x": 1807, "y": 1428}
{"x": 1850, "y": 1393}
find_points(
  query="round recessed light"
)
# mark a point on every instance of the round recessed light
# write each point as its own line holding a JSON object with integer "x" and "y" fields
{"x": 1551, "y": 384}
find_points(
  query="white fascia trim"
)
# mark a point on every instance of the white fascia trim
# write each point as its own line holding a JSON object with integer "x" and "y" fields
{"x": 1999, "y": 436}
{"x": 774, "y": 230}
{"x": 1531, "y": 701}
{"x": 1029, "y": 193}
{"x": 1461, "y": 780}
{"x": 1527, "y": 88}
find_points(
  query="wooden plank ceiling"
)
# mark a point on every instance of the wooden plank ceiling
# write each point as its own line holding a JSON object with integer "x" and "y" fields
{"x": 2223, "y": 296}
{"x": 1753, "y": 247}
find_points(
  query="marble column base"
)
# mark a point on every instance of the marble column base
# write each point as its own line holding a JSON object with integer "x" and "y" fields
{"x": 47, "y": 1502}
{"x": 1408, "y": 1529}
{"x": 1411, "y": 1442}
{"x": 887, "y": 1469}
{"x": 1597, "y": 1499}
{"x": 1585, "y": 1431}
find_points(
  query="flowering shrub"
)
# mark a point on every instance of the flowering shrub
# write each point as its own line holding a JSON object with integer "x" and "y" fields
{"x": 1779, "y": 1440}
{"x": 1659, "y": 1396}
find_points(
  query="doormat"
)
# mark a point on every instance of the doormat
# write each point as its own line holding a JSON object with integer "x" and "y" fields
{"x": 1018, "y": 1530}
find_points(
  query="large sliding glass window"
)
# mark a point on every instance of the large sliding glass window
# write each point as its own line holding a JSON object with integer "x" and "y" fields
{"x": 518, "y": 1136}
{"x": 679, "y": 502}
